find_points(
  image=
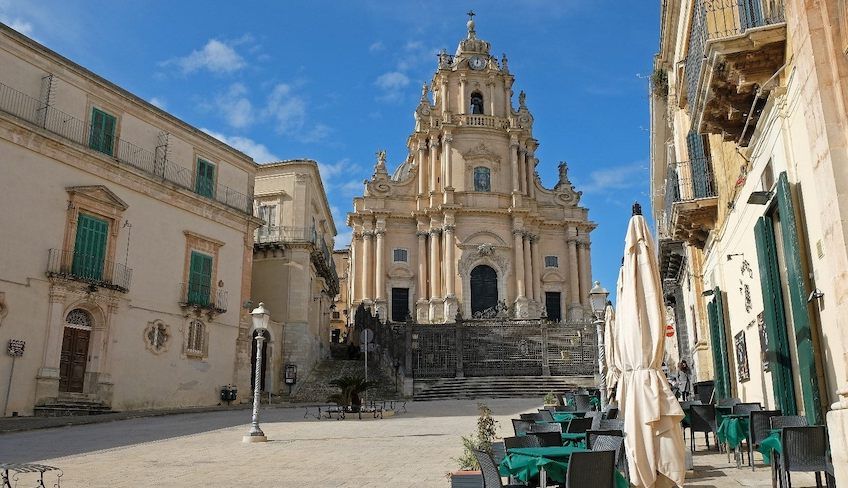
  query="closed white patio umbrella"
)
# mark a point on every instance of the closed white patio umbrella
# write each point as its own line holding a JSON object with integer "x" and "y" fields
{"x": 653, "y": 436}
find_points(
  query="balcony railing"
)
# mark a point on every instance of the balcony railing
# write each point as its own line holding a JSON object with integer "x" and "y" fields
{"x": 203, "y": 296}
{"x": 73, "y": 129}
{"x": 283, "y": 234}
{"x": 90, "y": 269}
{"x": 694, "y": 181}
{"x": 719, "y": 19}
{"x": 475, "y": 120}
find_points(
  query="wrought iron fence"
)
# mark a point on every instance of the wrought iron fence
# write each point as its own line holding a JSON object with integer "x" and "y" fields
{"x": 204, "y": 296}
{"x": 498, "y": 347}
{"x": 718, "y": 19}
{"x": 87, "y": 268}
{"x": 695, "y": 179}
{"x": 69, "y": 127}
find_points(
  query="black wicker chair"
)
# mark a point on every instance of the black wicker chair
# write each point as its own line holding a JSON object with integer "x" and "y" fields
{"x": 759, "y": 424}
{"x": 704, "y": 391}
{"x": 611, "y": 413}
{"x": 554, "y": 427}
{"x": 491, "y": 476}
{"x": 804, "y": 450}
{"x": 592, "y": 436}
{"x": 613, "y": 440}
{"x": 746, "y": 408}
{"x": 728, "y": 402}
{"x": 521, "y": 427}
{"x": 781, "y": 421}
{"x": 565, "y": 408}
{"x": 582, "y": 402}
{"x": 703, "y": 419}
{"x": 612, "y": 424}
{"x": 532, "y": 417}
{"x": 521, "y": 441}
{"x": 561, "y": 400}
{"x": 579, "y": 425}
{"x": 595, "y": 469}
{"x": 547, "y": 439}
{"x": 596, "y": 419}
{"x": 546, "y": 416}
{"x": 498, "y": 451}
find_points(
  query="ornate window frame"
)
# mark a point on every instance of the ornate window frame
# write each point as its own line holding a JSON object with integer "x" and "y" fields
{"x": 555, "y": 264}
{"x": 157, "y": 337}
{"x": 97, "y": 201}
{"x": 196, "y": 339}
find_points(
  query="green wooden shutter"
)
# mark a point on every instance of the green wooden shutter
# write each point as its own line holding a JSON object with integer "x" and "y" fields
{"x": 205, "y": 181}
{"x": 102, "y": 134}
{"x": 778, "y": 353}
{"x": 718, "y": 340}
{"x": 90, "y": 247}
{"x": 199, "y": 279}
{"x": 798, "y": 301}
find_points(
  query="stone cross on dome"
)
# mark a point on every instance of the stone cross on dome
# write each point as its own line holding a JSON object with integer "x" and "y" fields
{"x": 470, "y": 24}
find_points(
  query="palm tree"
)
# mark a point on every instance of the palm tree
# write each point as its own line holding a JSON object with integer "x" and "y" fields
{"x": 351, "y": 387}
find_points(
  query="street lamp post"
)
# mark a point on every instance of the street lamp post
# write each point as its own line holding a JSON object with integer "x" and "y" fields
{"x": 598, "y": 300}
{"x": 261, "y": 317}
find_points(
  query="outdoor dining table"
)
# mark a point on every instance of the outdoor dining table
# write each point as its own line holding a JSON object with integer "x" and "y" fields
{"x": 732, "y": 431}
{"x": 576, "y": 439}
{"x": 567, "y": 416}
{"x": 769, "y": 444}
{"x": 528, "y": 463}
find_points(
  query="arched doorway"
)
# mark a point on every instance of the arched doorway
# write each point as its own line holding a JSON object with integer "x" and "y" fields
{"x": 74, "y": 356}
{"x": 262, "y": 368}
{"x": 484, "y": 288}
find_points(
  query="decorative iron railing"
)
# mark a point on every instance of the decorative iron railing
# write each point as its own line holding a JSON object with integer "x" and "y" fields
{"x": 75, "y": 130}
{"x": 695, "y": 179}
{"x": 719, "y": 19}
{"x": 499, "y": 347}
{"x": 203, "y": 296}
{"x": 86, "y": 268}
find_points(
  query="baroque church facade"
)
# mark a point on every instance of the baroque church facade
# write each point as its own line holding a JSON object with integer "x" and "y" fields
{"x": 464, "y": 226}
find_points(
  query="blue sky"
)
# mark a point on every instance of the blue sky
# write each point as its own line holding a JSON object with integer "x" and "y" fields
{"x": 336, "y": 81}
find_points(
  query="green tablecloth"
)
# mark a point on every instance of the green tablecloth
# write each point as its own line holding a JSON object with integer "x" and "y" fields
{"x": 567, "y": 416}
{"x": 770, "y": 443}
{"x": 577, "y": 439}
{"x": 733, "y": 430}
{"x": 525, "y": 463}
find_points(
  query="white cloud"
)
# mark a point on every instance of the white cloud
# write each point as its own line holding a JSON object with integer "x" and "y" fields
{"x": 330, "y": 171}
{"x": 615, "y": 178}
{"x": 391, "y": 84}
{"x": 255, "y": 150}
{"x": 158, "y": 102}
{"x": 343, "y": 239}
{"x": 288, "y": 110}
{"x": 235, "y": 106}
{"x": 376, "y": 46}
{"x": 216, "y": 57}
{"x": 19, "y": 25}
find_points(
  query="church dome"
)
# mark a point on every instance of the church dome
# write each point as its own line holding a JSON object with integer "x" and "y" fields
{"x": 402, "y": 171}
{"x": 471, "y": 44}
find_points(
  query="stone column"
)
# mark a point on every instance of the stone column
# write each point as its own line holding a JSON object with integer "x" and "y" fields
{"x": 463, "y": 104}
{"x": 518, "y": 244}
{"x": 513, "y": 154}
{"x": 434, "y": 262}
{"x": 434, "y": 164}
{"x": 573, "y": 272}
{"x": 445, "y": 108}
{"x": 448, "y": 169}
{"x": 450, "y": 274}
{"x": 355, "y": 267}
{"x": 531, "y": 173}
{"x": 522, "y": 173}
{"x": 422, "y": 167}
{"x": 537, "y": 270}
{"x": 491, "y": 84}
{"x": 367, "y": 268}
{"x": 379, "y": 263}
{"x": 585, "y": 271}
{"x": 422, "y": 265}
{"x": 528, "y": 268}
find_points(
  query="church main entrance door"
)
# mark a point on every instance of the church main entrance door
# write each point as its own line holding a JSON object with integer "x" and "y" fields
{"x": 484, "y": 288}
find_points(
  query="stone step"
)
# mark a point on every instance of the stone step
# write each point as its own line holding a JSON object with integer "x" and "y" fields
{"x": 496, "y": 386}
{"x": 67, "y": 408}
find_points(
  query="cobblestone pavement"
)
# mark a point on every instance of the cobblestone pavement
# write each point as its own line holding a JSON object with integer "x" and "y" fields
{"x": 415, "y": 449}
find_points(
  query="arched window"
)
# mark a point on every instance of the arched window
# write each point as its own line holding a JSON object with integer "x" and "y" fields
{"x": 196, "y": 331}
{"x": 79, "y": 318}
{"x": 482, "y": 179}
{"x": 477, "y": 103}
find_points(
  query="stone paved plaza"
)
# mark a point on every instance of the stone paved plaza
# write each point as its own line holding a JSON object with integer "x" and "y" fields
{"x": 414, "y": 449}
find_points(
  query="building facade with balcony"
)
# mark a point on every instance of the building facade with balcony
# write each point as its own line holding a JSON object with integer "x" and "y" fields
{"x": 126, "y": 244}
{"x": 463, "y": 225}
{"x": 294, "y": 272}
{"x": 749, "y": 191}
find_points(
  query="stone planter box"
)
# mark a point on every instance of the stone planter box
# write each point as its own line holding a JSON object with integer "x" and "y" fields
{"x": 466, "y": 479}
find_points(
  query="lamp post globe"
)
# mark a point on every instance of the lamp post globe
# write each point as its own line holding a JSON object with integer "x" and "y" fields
{"x": 261, "y": 317}
{"x": 598, "y": 301}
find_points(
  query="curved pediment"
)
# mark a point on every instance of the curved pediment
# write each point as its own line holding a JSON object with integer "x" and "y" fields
{"x": 400, "y": 271}
{"x": 552, "y": 276}
{"x": 484, "y": 237}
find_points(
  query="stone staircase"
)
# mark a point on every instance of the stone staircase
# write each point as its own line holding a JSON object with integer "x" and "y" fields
{"x": 71, "y": 405}
{"x": 316, "y": 387}
{"x": 496, "y": 386}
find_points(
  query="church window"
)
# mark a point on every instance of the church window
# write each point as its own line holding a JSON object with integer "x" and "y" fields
{"x": 482, "y": 179}
{"x": 551, "y": 261}
{"x": 477, "y": 103}
{"x": 400, "y": 255}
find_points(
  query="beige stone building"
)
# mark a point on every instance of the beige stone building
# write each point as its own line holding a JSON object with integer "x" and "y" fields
{"x": 748, "y": 150}
{"x": 294, "y": 272}
{"x": 126, "y": 244}
{"x": 341, "y": 317}
{"x": 464, "y": 223}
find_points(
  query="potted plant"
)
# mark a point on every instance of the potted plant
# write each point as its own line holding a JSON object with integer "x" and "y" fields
{"x": 351, "y": 387}
{"x": 469, "y": 475}
{"x": 550, "y": 399}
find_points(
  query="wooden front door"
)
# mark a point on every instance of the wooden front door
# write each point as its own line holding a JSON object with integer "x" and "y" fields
{"x": 73, "y": 359}
{"x": 484, "y": 288}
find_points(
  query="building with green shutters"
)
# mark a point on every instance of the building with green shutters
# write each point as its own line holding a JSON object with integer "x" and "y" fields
{"x": 126, "y": 249}
{"x": 750, "y": 197}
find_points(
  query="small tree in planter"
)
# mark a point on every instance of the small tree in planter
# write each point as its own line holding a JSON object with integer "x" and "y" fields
{"x": 550, "y": 399}
{"x": 469, "y": 474}
{"x": 351, "y": 387}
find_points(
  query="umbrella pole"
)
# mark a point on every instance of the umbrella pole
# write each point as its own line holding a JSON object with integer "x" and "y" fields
{"x": 599, "y": 328}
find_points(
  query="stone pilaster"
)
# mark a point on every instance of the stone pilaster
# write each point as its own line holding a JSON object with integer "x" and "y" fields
{"x": 538, "y": 294}
{"x": 47, "y": 380}
{"x": 573, "y": 275}
{"x": 448, "y": 167}
{"x": 423, "y": 294}
{"x": 585, "y": 271}
{"x": 513, "y": 158}
{"x": 379, "y": 269}
{"x": 422, "y": 168}
{"x": 367, "y": 266}
{"x": 434, "y": 169}
{"x": 450, "y": 273}
{"x": 528, "y": 268}
{"x": 522, "y": 173}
